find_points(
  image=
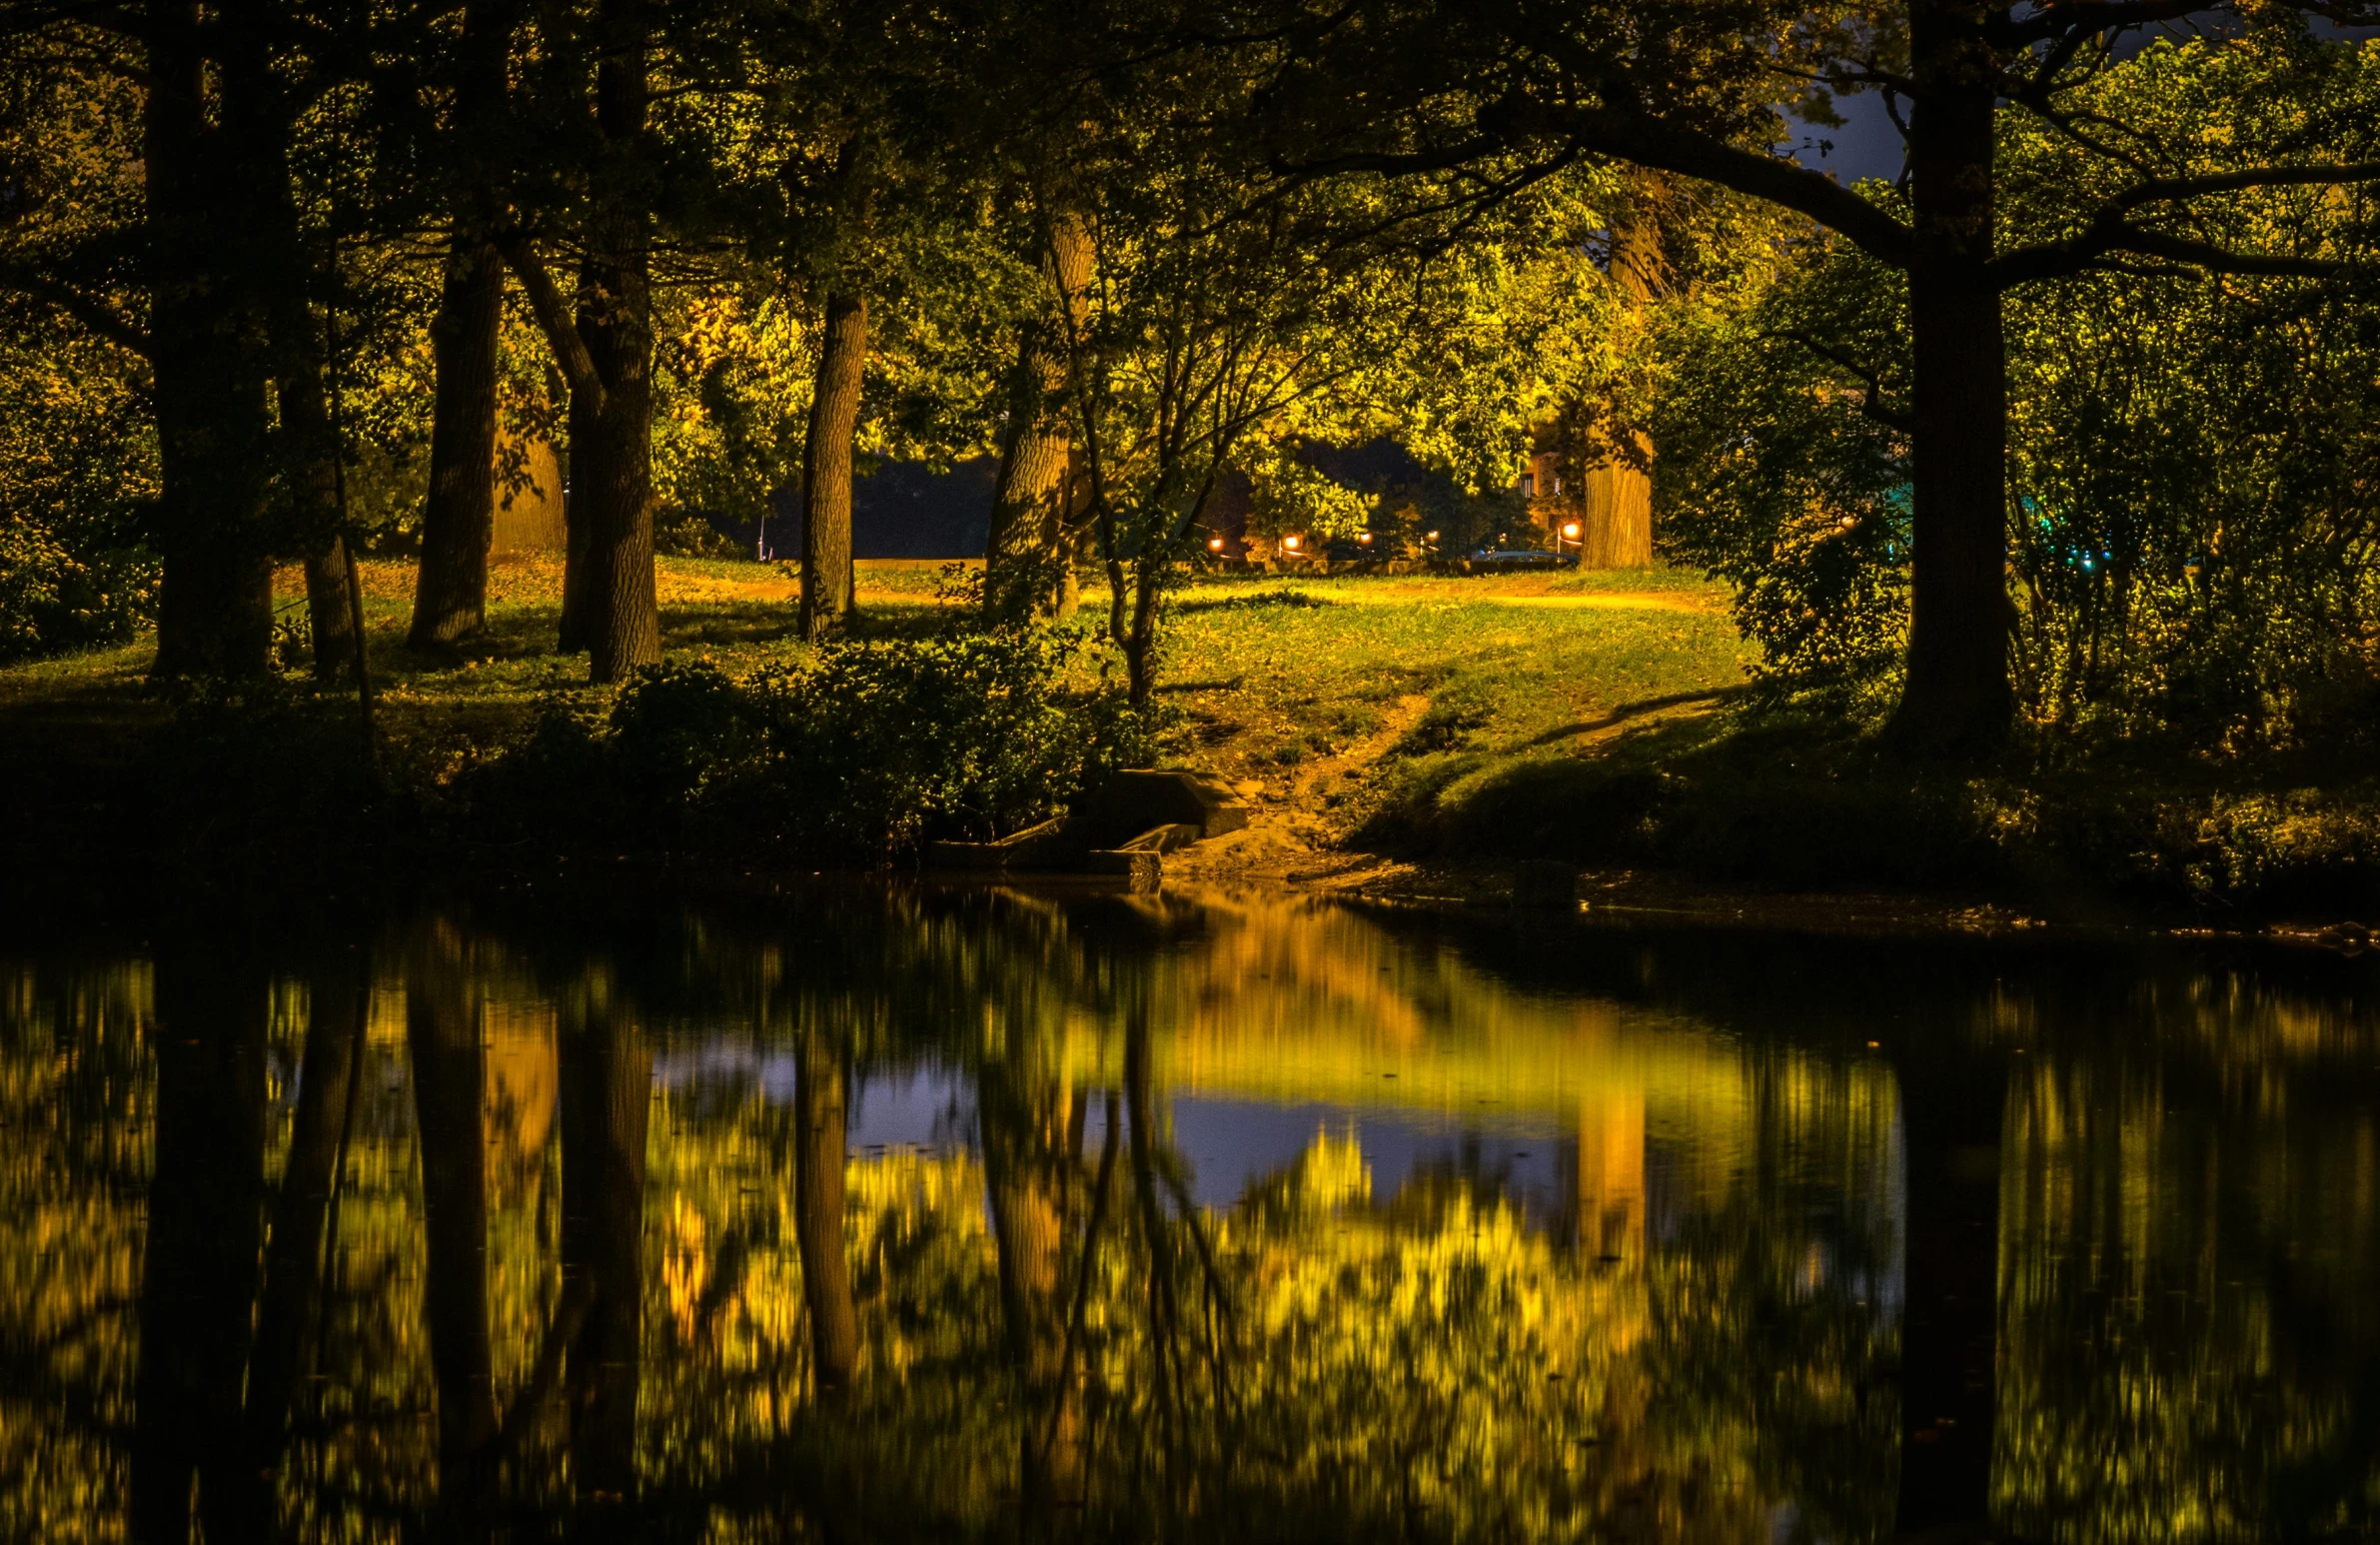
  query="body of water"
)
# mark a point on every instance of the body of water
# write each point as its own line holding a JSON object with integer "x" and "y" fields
{"x": 904, "y": 1216}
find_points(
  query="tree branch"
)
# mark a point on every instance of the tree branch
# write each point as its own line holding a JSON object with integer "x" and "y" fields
{"x": 552, "y": 312}
{"x": 2111, "y": 234}
{"x": 1648, "y": 142}
{"x": 2168, "y": 189}
{"x": 94, "y": 317}
{"x": 2052, "y": 20}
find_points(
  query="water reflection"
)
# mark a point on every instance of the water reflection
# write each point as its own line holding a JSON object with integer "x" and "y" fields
{"x": 1003, "y": 1217}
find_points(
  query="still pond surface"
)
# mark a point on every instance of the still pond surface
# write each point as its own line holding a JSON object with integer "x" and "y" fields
{"x": 993, "y": 1217}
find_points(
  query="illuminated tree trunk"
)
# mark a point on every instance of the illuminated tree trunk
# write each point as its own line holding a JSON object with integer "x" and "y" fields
{"x": 199, "y": 1265}
{"x": 208, "y": 349}
{"x": 819, "y": 1145}
{"x": 1957, "y": 696}
{"x": 294, "y": 1254}
{"x": 826, "y": 469}
{"x": 1028, "y": 561}
{"x": 1952, "y": 1117}
{"x": 606, "y": 1091}
{"x": 458, "y": 519}
{"x": 450, "y": 1098}
{"x": 1616, "y": 497}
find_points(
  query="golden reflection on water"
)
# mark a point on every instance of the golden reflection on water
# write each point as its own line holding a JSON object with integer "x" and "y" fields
{"x": 1688, "y": 1332}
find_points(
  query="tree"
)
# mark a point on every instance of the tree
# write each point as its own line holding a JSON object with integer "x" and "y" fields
{"x": 603, "y": 342}
{"x": 1504, "y": 98}
{"x": 450, "y": 590}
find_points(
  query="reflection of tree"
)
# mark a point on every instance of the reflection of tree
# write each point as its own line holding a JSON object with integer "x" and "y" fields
{"x": 2190, "y": 1295}
{"x": 1031, "y": 1133}
{"x": 606, "y": 1092}
{"x": 292, "y": 1282}
{"x": 1691, "y": 1347}
{"x": 442, "y": 1010}
{"x": 198, "y": 1282}
{"x": 1951, "y": 1099}
{"x": 821, "y": 1087}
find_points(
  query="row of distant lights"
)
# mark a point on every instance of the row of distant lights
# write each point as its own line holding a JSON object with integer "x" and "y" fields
{"x": 1293, "y": 543}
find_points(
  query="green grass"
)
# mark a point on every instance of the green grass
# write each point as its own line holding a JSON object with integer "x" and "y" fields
{"x": 1600, "y": 717}
{"x": 1454, "y": 677}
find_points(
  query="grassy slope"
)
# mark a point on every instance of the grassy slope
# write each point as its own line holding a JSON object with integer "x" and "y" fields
{"x": 1328, "y": 690}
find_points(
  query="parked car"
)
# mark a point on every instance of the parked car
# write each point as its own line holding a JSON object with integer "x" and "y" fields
{"x": 1494, "y": 560}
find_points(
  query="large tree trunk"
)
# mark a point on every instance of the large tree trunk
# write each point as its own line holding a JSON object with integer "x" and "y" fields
{"x": 606, "y": 1091}
{"x": 1957, "y": 696}
{"x": 215, "y": 607}
{"x": 458, "y": 519}
{"x": 336, "y": 999}
{"x": 1030, "y": 561}
{"x": 826, "y": 469}
{"x": 197, "y": 1273}
{"x": 1953, "y": 1110}
{"x": 1615, "y": 493}
{"x": 820, "y": 1141}
{"x": 610, "y": 505}
{"x": 450, "y": 1092}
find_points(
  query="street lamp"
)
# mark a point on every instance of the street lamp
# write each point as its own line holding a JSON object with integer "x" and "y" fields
{"x": 1569, "y": 531}
{"x": 1292, "y": 544}
{"x": 1214, "y": 544}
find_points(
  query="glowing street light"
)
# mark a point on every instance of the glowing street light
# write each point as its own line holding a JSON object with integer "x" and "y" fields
{"x": 1292, "y": 544}
{"x": 1365, "y": 540}
{"x": 1214, "y": 544}
{"x": 1570, "y": 528}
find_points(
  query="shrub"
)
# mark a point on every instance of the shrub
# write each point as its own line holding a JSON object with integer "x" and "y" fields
{"x": 874, "y": 746}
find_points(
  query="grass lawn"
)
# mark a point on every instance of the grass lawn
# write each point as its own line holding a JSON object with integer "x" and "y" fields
{"x": 1328, "y": 691}
{"x": 1597, "y": 719}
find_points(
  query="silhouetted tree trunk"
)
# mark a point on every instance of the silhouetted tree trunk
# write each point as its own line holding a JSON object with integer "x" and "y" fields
{"x": 450, "y": 1096}
{"x": 458, "y": 519}
{"x": 609, "y": 604}
{"x": 819, "y": 1144}
{"x": 607, "y": 1089}
{"x": 207, "y": 344}
{"x": 337, "y": 1000}
{"x": 612, "y": 468}
{"x": 1029, "y": 559}
{"x": 310, "y": 439}
{"x": 1957, "y": 696}
{"x": 826, "y": 469}
{"x": 199, "y": 1265}
{"x": 1951, "y": 1113}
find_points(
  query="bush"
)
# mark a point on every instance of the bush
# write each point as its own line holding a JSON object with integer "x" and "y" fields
{"x": 874, "y": 747}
